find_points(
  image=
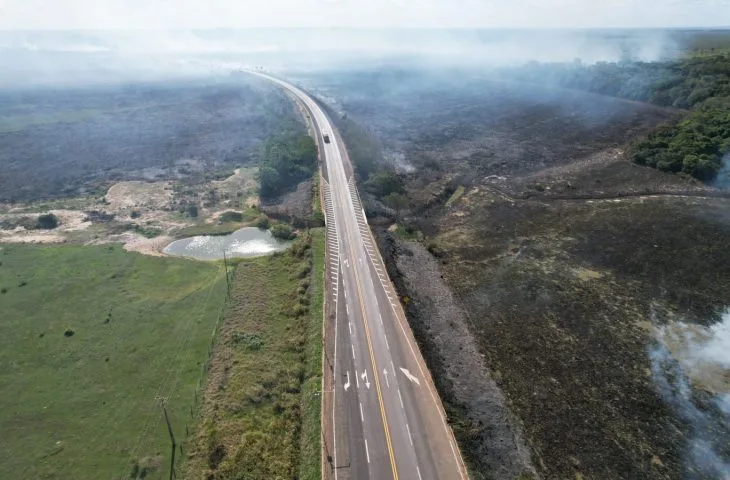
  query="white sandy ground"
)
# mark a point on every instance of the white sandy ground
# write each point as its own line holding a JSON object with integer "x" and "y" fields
{"x": 71, "y": 221}
{"x": 123, "y": 196}
{"x": 133, "y": 242}
{"x": 152, "y": 199}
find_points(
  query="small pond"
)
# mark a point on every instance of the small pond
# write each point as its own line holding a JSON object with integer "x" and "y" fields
{"x": 246, "y": 242}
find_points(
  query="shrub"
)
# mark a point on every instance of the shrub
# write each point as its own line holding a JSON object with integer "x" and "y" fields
{"x": 251, "y": 341}
{"x": 47, "y": 221}
{"x": 263, "y": 222}
{"x": 192, "y": 211}
{"x": 230, "y": 216}
{"x": 435, "y": 250}
{"x": 282, "y": 231}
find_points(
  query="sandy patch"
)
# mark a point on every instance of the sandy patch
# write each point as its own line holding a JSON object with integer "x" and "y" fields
{"x": 125, "y": 195}
{"x": 147, "y": 246}
{"x": 71, "y": 220}
{"x": 26, "y": 236}
{"x": 243, "y": 182}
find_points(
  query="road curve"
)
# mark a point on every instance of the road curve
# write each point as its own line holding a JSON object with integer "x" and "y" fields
{"x": 387, "y": 421}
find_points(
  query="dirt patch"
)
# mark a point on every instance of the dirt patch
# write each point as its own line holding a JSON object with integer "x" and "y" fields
{"x": 123, "y": 196}
{"x": 24, "y": 236}
{"x": 147, "y": 246}
{"x": 69, "y": 221}
{"x": 133, "y": 242}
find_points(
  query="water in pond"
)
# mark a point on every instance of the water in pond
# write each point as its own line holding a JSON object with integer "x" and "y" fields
{"x": 246, "y": 242}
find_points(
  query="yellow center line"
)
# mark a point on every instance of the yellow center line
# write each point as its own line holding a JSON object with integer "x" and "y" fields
{"x": 375, "y": 374}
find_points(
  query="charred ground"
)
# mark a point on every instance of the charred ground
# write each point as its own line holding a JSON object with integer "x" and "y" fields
{"x": 563, "y": 258}
{"x": 75, "y": 141}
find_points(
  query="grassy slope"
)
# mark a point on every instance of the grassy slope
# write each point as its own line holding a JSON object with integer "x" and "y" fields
{"x": 310, "y": 458}
{"x": 76, "y": 407}
{"x": 260, "y": 415}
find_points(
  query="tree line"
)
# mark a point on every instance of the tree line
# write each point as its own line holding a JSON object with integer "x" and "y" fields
{"x": 694, "y": 143}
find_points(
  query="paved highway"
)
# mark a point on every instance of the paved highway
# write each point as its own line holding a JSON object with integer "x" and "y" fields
{"x": 385, "y": 419}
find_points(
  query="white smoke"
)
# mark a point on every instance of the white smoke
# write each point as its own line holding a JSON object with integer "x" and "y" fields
{"x": 691, "y": 354}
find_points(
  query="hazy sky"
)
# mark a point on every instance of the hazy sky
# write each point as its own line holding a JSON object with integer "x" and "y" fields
{"x": 52, "y": 14}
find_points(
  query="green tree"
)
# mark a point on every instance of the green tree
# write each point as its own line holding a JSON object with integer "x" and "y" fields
{"x": 396, "y": 201}
{"x": 286, "y": 161}
{"x": 384, "y": 182}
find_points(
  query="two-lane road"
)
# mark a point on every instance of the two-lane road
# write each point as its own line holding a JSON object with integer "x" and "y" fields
{"x": 386, "y": 420}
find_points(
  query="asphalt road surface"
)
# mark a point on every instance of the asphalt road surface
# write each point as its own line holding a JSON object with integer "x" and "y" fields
{"x": 387, "y": 421}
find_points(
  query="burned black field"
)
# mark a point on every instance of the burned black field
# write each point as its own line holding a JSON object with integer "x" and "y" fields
{"x": 566, "y": 261}
{"x": 64, "y": 142}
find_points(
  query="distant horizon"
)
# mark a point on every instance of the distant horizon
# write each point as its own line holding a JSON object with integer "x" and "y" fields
{"x": 543, "y": 15}
{"x": 404, "y": 27}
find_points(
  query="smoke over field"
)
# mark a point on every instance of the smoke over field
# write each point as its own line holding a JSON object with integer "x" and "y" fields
{"x": 63, "y": 58}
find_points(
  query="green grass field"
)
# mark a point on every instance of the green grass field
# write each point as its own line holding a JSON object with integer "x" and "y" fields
{"x": 260, "y": 417}
{"x": 84, "y": 405}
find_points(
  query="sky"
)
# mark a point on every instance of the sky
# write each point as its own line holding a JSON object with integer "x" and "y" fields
{"x": 159, "y": 14}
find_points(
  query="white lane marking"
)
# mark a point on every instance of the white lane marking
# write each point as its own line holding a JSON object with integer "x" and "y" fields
{"x": 362, "y": 417}
{"x": 353, "y": 351}
{"x": 347, "y": 307}
{"x": 380, "y": 317}
{"x": 409, "y": 434}
{"x": 401, "y": 400}
{"x": 410, "y": 376}
{"x": 367, "y": 452}
{"x": 364, "y": 376}
{"x": 385, "y": 372}
{"x": 357, "y": 380}
{"x": 349, "y": 324}
{"x": 347, "y": 383}
{"x": 418, "y": 470}
{"x": 386, "y": 344}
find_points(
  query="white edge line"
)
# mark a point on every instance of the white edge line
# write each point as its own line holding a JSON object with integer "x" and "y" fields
{"x": 367, "y": 452}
